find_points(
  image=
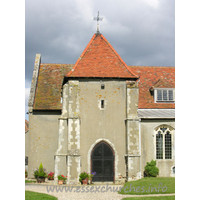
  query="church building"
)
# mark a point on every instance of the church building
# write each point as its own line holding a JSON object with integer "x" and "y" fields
{"x": 100, "y": 115}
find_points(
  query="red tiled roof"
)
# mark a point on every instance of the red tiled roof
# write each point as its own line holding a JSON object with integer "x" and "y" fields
{"x": 49, "y": 85}
{"x": 26, "y": 126}
{"x": 99, "y": 59}
{"x": 157, "y": 77}
{"x": 161, "y": 83}
{"x": 50, "y": 79}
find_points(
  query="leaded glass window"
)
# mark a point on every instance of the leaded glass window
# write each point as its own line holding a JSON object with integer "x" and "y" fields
{"x": 163, "y": 143}
{"x": 159, "y": 145}
{"x": 168, "y": 146}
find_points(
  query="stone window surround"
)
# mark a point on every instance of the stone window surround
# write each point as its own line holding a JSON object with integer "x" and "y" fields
{"x": 171, "y": 130}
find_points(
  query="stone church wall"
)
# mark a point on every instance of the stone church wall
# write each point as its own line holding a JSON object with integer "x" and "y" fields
{"x": 148, "y": 146}
{"x": 94, "y": 111}
{"x": 107, "y": 124}
{"x": 43, "y": 141}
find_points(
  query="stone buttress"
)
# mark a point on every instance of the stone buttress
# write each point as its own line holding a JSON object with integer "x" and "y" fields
{"x": 67, "y": 157}
{"x": 132, "y": 132}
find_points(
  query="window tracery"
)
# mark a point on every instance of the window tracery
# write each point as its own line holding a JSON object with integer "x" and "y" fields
{"x": 163, "y": 143}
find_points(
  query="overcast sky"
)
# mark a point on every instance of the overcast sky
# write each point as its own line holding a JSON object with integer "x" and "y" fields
{"x": 141, "y": 31}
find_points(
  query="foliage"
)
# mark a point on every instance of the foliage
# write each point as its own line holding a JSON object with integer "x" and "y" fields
{"x": 50, "y": 176}
{"x": 83, "y": 176}
{"x": 40, "y": 167}
{"x": 39, "y": 196}
{"x": 35, "y": 172}
{"x": 62, "y": 177}
{"x": 151, "y": 169}
{"x": 30, "y": 181}
{"x": 26, "y": 173}
{"x": 41, "y": 172}
{"x": 149, "y": 185}
{"x": 91, "y": 175}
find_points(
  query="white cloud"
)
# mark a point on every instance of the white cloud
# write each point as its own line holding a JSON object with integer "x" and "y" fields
{"x": 152, "y": 3}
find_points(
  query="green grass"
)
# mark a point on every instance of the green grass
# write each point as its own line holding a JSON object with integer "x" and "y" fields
{"x": 26, "y": 181}
{"x": 150, "y": 186}
{"x": 39, "y": 196}
{"x": 152, "y": 198}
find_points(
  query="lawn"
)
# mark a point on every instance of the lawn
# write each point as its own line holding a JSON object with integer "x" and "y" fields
{"x": 151, "y": 198}
{"x": 39, "y": 196}
{"x": 150, "y": 185}
{"x": 27, "y": 181}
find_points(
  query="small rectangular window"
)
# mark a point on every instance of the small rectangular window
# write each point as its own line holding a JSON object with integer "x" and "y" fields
{"x": 26, "y": 160}
{"x": 102, "y": 86}
{"x": 102, "y": 103}
{"x": 164, "y": 95}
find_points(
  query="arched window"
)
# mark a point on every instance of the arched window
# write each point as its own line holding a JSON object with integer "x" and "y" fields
{"x": 163, "y": 143}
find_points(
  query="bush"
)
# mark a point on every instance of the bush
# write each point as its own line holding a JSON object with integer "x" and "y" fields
{"x": 62, "y": 177}
{"x": 83, "y": 176}
{"x": 41, "y": 172}
{"x": 151, "y": 169}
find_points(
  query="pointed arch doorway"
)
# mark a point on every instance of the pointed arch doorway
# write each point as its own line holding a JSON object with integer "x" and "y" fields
{"x": 102, "y": 162}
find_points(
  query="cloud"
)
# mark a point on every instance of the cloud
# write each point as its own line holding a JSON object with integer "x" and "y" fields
{"x": 152, "y": 3}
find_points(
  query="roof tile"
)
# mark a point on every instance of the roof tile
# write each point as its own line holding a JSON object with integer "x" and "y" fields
{"x": 163, "y": 77}
{"x": 99, "y": 59}
{"x": 49, "y": 85}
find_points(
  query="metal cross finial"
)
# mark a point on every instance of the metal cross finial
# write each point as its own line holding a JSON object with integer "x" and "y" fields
{"x": 98, "y": 19}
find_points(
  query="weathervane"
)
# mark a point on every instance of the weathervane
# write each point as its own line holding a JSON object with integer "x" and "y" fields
{"x": 98, "y": 19}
